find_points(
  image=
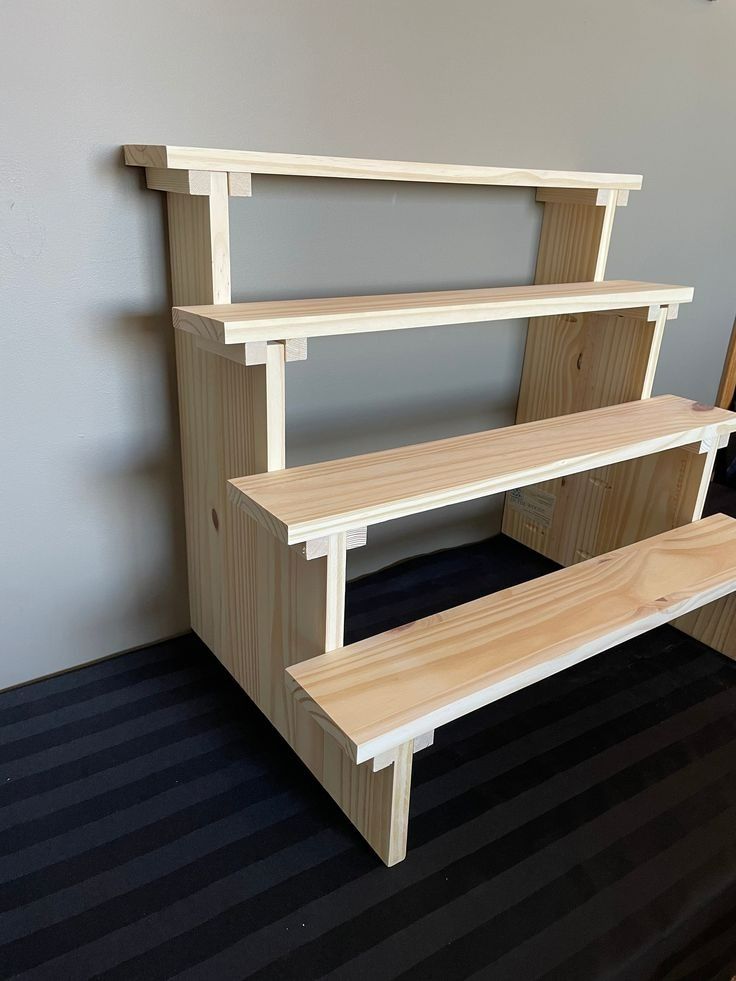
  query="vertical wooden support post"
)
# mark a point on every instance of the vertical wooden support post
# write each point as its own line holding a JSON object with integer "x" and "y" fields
{"x": 579, "y": 362}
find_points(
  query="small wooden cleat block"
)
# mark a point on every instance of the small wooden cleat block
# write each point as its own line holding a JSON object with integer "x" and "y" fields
{"x": 239, "y": 185}
{"x": 296, "y": 349}
{"x": 317, "y": 547}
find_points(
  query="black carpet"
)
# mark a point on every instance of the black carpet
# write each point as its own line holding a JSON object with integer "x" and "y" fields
{"x": 152, "y": 825}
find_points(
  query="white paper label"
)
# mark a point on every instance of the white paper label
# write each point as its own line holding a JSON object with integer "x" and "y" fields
{"x": 537, "y": 506}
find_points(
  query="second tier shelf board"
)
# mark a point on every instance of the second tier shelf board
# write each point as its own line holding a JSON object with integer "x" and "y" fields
{"x": 272, "y": 320}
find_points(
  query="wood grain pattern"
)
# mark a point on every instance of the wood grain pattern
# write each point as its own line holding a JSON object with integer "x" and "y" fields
{"x": 265, "y": 607}
{"x": 200, "y": 268}
{"x": 254, "y": 352}
{"x": 383, "y": 691}
{"x": 325, "y": 498}
{"x": 303, "y": 165}
{"x": 715, "y": 624}
{"x": 574, "y": 363}
{"x": 238, "y": 323}
{"x": 578, "y": 369}
{"x": 257, "y": 604}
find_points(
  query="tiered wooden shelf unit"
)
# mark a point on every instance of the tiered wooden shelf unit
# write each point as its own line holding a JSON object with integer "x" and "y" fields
{"x": 601, "y": 477}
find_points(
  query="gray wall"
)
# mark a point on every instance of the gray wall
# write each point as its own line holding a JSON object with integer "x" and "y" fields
{"x": 91, "y": 534}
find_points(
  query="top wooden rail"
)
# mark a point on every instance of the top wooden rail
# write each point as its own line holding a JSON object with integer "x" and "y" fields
{"x": 269, "y": 320}
{"x": 304, "y": 503}
{"x": 302, "y": 165}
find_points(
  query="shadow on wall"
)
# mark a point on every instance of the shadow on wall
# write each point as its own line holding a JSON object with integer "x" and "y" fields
{"x": 139, "y": 476}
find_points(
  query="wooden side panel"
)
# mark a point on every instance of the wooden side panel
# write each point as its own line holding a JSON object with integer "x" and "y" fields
{"x": 287, "y": 609}
{"x": 258, "y": 605}
{"x": 727, "y": 386}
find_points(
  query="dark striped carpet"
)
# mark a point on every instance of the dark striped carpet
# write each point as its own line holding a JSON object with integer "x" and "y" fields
{"x": 154, "y": 826}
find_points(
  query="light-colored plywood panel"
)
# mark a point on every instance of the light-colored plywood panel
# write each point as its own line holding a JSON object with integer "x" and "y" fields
{"x": 285, "y": 609}
{"x": 578, "y": 370}
{"x": 303, "y": 165}
{"x": 239, "y": 323}
{"x": 326, "y": 498}
{"x": 378, "y": 693}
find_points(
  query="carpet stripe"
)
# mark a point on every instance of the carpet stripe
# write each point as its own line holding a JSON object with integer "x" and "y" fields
{"x": 155, "y": 825}
{"x": 403, "y": 947}
{"x": 431, "y": 892}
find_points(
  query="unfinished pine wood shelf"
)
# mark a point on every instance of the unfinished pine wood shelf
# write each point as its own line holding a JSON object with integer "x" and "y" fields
{"x": 377, "y": 694}
{"x": 304, "y": 503}
{"x": 240, "y": 323}
{"x": 598, "y": 476}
